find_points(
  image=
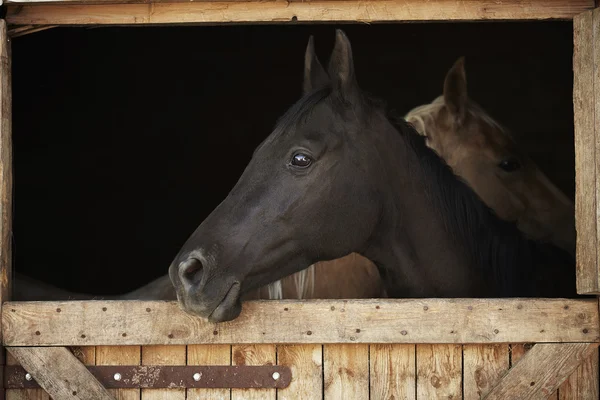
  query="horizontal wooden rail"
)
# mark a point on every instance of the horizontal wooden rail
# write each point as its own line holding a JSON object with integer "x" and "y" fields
{"x": 90, "y": 323}
{"x": 84, "y": 12}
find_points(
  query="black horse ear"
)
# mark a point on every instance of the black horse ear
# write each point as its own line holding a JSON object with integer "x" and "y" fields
{"x": 455, "y": 90}
{"x": 314, "y": 74}
{"x": 341, "y": 67}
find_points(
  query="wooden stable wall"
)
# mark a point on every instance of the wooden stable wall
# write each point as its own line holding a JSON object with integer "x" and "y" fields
{"x": 350, "y": 349}
{"x": 354, "y": 371}
{"x": 336, "y": 349}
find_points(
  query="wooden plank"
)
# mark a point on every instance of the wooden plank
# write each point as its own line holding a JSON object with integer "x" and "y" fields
{"x": 541, "y": 371}
{"x": 393, "y": 371}
{"x": 121, "y": 355}
{"x": 517, "y": 353}
{"x": 583, "y": 383}
{"x": 219, "y": 354}
{"x": 483, "y": 367}
{"x": 306, "y": 363}
{"x": 6, "y": 176}
{"x": 163, "y": 355}
{"x": 346, "y": 371}
{"x": 60, "y": 373}
{"x": 585, "y": 155}
{"x": 24, "y": 394}
{"x": 6, "y": 173}
{"x": 260, "y": 354}
{"x": 87, "y": 355}
{"x": 477, "y": 321}
{"x": 280, "y": 11}
{"x": 439, "y": 371}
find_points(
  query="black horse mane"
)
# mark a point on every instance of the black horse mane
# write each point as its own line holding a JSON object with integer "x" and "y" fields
{"x": 516, "y": 264}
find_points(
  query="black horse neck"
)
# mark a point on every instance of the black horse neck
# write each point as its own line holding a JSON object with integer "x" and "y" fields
{"x": 442, "y": 240}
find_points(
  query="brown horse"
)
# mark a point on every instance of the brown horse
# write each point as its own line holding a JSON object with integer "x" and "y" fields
{"x": 481, "y": 151}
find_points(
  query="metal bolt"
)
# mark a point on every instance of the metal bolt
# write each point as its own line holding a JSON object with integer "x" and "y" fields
{"x": 117, "y": 376}
{"x": 276, "y": 375}
{"x": 28, "y": 376}
{"x": 197, "y": 376}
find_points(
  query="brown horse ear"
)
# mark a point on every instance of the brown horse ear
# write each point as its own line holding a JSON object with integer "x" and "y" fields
{"x": 455, "y": 90}
{"x": 314, "y": 74}
{"x": 341, "y": 67}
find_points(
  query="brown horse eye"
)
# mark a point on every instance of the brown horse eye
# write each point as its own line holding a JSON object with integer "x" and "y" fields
{"x": 510, "y": 165}
{"x": 301, "y": 160}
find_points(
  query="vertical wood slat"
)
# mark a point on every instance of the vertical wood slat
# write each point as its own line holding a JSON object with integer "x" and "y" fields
{"x": 484, "y": 365}
{"x": 439, "y": 371}
{"x": 585, "y": 101}
{"x": 260, "y": 354}
{"x": 163, "y": 355}
{"x": 120, "y": 355}
{"x": 346, "y": 371}
{"x": 208, "y": 355}
{"x": 393, "y": 371}
{"x": 306, "y": 364}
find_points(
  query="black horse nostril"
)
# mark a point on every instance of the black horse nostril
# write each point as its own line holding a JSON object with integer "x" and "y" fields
{"x": 190, "y": 271}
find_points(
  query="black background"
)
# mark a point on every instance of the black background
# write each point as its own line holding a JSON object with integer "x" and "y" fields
{"x": 126, "y": 138}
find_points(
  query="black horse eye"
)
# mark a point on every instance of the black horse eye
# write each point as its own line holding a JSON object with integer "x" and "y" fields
{"x": 301, "y": 160}
{"x": 510, "y": 164}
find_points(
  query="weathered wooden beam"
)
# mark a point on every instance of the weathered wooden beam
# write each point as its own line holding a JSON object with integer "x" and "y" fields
{"x": 33, "y": 12}
{"x": 60, "y": 373}
{"x": 6, "y": 175}
{"x": 586, "y": 105}
{"x": 541, "y": 371}
{"x": 89, "y": 323}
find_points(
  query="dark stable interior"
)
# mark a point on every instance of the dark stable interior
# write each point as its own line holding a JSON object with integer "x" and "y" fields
{"x": 126, "y": 138}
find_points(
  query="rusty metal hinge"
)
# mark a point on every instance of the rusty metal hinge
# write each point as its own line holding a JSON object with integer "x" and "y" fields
{"x": 162, "y": 376}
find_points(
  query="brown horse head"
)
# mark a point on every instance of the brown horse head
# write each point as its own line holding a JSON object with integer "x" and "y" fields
{"x": 483, "y": 153}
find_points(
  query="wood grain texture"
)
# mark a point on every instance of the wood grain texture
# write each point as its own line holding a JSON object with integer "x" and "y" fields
{"x": 346, "y": 371}
{"x": 517, "y": 353}
{"x": 306, "y": 364}
{"x": 163, "y": 355}
{"x": 585, "y": 155}
{"x": 60, "y": 373}
{"x": 541, "y": 371}
{"x": 279, "y": 11}
{"x": 260, "y": 354}
{"x": 393, "y": 371}
{"x": 583, "y": 383}
{"x": 439, "y": 371}
{"x": 85, "y": 323}
{"x": 87, "y": 355}
{"x": 483, "y": 366}
{"x": 218, "y": 354}
{"x": 120, "y": 355}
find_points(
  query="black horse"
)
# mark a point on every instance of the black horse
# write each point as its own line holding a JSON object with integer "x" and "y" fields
{"x": 339, "y": 175}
